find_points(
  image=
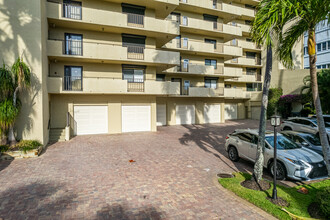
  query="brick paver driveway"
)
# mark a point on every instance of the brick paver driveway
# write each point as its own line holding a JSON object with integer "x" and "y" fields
{"x": 91, "y": 177}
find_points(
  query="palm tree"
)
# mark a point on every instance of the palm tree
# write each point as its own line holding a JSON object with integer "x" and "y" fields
{"x": 6, "y": 90}
{"x": 263, "y": 32}
{"x": 21, "y": 79}
{"x": 304, "y": 16}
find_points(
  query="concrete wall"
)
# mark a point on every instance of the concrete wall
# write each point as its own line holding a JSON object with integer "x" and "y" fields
{"x": 23, "y": 32}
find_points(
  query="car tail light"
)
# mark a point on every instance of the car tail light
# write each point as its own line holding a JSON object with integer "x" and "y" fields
{"x": 227, "y": 137}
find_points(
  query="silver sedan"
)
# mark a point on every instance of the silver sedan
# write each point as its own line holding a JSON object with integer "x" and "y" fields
{"x": 294, "y": 161}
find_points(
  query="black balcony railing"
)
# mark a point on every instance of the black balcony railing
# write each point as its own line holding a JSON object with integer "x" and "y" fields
{"x": 135, "y": 20}
{"x": 72, "y": 9}
{"x": 135, "y": 85}
{"x": 73, "y": 83}
{"x": 73, "y": 47}
{"x": 135, "y": 52}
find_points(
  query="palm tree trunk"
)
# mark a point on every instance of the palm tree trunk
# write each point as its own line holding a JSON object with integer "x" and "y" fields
{"x": 316, "y": 97}
{"x": 258, "y": 166}
{"x": 11, "y": 134}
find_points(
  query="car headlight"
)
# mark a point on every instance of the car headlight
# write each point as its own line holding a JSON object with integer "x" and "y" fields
{"x": 299, "y": 162}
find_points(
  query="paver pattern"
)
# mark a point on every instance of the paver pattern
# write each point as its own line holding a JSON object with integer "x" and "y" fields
{"x": 90, "y": 177}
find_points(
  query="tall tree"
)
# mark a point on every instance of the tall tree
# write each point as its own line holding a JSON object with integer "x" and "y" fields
{"x": 304, "y": 17}
{"x": 21, "y": 79}
{"x": 263, "y": 32}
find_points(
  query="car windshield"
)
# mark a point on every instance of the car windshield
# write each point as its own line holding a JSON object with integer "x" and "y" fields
{"x": 313, "y": 139}
{"x": 327, "y": 124}
{"x": 283, "y": 143}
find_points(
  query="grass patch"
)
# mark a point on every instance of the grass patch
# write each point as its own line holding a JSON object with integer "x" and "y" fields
{"x": 298, "y": 202}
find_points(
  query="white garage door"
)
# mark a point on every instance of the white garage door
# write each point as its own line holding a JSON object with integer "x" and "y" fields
{"x": 91, "y": 120}
{"x": 255, "y": 113}
{"x": 136, "y": 118}
{"x": 161, "y": 115}
{"x": 212, "y": 113}
{"x": 230, "y": 111}
{"x": 185, "y": 114}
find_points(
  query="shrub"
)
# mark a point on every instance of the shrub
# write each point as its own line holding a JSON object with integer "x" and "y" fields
{"x": 26, "y": 145}
{"x": 323, "y": 199}
{"x": 273, "y": 98}
{"x": 3, "y": 148}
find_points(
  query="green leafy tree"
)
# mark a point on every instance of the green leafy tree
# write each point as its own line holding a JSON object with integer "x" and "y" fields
{"x": 273, "y": 98}
{"x": 21, "y": 73}
{"x": 303, "y": 17}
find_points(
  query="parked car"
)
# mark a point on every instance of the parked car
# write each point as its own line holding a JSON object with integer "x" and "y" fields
{"x": 310, "y": 141}
{"x": 301, "y": 124}
{"x": 325, "y": 117}
{"x": 294, "y": 161}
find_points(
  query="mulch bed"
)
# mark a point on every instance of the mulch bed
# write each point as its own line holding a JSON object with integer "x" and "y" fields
{"x": 314, "y": 210}
{"x": 252, "y": 184}
{"x": 225, "y": 175}
{"x": 279, "y": 201}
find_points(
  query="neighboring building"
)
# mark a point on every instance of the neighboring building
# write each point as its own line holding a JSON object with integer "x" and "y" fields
{"x": 322, "y": 37}
{"x": 108, "y": 66}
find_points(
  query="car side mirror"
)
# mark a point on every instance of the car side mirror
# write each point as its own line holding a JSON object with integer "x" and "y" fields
{"x": 305, "y": 144}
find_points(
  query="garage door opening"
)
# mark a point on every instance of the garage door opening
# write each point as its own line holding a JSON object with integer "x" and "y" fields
{"x": 185, "y": 114}
{"x": 212, "y": 113}
{"x": 230, "y": 111}
{"x": 161, "y": 115}
{"x": 136, "y": 118}
{"x": 91, "y": 120}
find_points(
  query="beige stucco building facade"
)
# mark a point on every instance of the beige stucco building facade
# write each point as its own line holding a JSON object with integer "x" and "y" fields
{"x": 111, "y": 66}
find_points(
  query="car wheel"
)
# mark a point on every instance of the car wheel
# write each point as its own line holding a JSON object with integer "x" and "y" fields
{"x": 287, "y": 129}
{"x": 233, "y": 154}
{"x": 280, "y": 170}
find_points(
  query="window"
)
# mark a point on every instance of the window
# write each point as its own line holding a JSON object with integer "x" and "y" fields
{"x": 214, "y": 42}
{"x": 228, "y": 86}
{"x": 209, "y": 62}
{"x": 324, "y": 66}
{"x": 324, "y": 46}
{"x": 249, "y": 6}
{"x": 252, "y": 87}
{"x": 133, "y": 9}
{"x": 251, "y": 71}
{"x": 72, "y": 78}
{"x": 73, "y": 44}
{"x": 184, "y": 1}
{"x": 245, "y": 137}
{"x": 185, "y": 66}
{"x": 328, "y": 45}
{"x": 178, "y": 41}
{"x": 248, "y": 40}
{"x": 211, "y": 83}
{"x": 176, "y": 16}
{"x": 160, "y": 77}
{"x": 210, "y": 18}
{"x": 233, "y": 23}
{"x": 185, "y": 43}
{"x": 248, "y": 22}
{"x": 185, "y": 20}
{"x": 305, "y": 50}
{"x": 319, "y": 47}
{"x": 251, "y": 55}
{"x": 214, "y": 4}
{"x": 135, "y": 46}
{"x": 72, "y": 9}
{"x": 319, "y": 67}
{"x": 133, "y": 74}
{"x": 234, "y": 42}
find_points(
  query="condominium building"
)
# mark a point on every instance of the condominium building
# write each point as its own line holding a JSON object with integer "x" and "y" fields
{"x": 113, "y": 66}
{"x": 322, "y": 37}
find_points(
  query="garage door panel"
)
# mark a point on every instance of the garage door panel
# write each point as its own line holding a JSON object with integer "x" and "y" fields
{"x": 161, "y": 115}
{"x": 185, "y": 114}
{"x": 212, "y": 113}
{"x": 136, "y": 118}
{"x": 91, "y": 120}
{"x": 230, "y": 111}
{"x": 255, "y": 113}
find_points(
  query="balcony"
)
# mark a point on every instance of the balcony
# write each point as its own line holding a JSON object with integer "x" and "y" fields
{"x": 246, "y": 62}
{"x": 202, "y": 27}
{"x": 249, "y": 46}
{"x": 111, "y": 53}
{"x": 73, "y": 85}
{"x": 230, "y": 72}
{"x": 205, "y": 92}
{"x": 204, "y": 49}
{"x": 196, "y": 69}
{"x": 245, "y": 28}
{"x": 234, "y": 93}
{"x": 107, "y": 20}
{"x": 227, "y": 11}
{"x": 243, "y": 78}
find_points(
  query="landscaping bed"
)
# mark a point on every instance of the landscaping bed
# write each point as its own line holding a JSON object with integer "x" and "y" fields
{"x": 299, "y": 204}
{"x": 23, "y": 149}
